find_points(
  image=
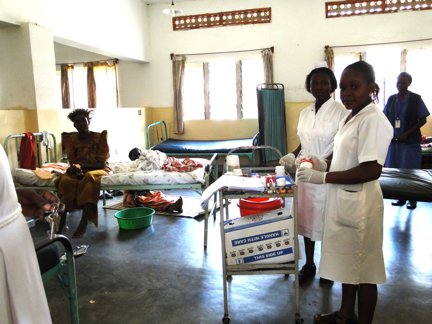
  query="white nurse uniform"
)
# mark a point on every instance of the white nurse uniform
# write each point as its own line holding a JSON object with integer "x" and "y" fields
{"x": 316, "y": 132}
{"x": 353, "y": 219}
{"x": 22, "y": 295}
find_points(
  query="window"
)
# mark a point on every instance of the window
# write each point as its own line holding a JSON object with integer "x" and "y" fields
{"x": 222, "y": 89}
{"x": 252, "y": 75}
{"x": 229, "y": 18}
{"x": 351, "y": 8}
{"x": 80, "y": 86}
{"x": 193, "y": 97}
{"x": 340, "y": 63}
{"x": 386, "y": 63}
{"x": 418, "y": 65}
{"x": 105, "y": 78}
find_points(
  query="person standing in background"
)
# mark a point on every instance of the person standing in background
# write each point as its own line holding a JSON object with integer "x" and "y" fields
{"x": 407, "y": 112}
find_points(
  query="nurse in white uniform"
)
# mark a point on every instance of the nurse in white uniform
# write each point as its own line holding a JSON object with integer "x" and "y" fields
{"x": 317, "y": 128}
{"x": 22, "y": 295}
{"x": 353, "y": 218}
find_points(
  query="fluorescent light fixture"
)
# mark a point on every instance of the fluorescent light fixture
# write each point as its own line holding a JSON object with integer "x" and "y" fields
{"x": 173, "y": 11}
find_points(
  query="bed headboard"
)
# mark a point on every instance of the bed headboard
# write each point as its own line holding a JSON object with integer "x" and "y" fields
{"x": 156, "y": 133}
{"x": 38, "y": 147}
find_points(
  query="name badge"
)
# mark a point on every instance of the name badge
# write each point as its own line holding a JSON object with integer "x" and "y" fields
{"x": 397, "y": 124}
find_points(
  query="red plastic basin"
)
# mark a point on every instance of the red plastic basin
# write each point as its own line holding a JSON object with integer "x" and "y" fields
{"x": 253, "y": 206}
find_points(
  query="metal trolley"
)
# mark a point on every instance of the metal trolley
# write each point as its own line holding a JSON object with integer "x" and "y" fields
{"x": 258, "y": 269}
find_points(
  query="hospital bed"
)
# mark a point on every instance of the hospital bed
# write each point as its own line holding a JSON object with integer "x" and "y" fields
{"x": 157, "y": 138}
{"x": 406, "y": 184}
{"x": 197, "y": 180}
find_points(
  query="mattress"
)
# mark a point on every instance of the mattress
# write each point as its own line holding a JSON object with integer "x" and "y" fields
{"x": 137, "y": 178}
{"x": 181, "y": 146}
{"x": 159, "y": 177}
{"x": 406, "y": 184}
{"x": 29, "y": 178}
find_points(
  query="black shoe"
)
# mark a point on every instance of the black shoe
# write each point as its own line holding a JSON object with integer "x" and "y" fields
{"x": 116, "y": 193}
{"x": 412, "y": 204}
{"x": 306, "y": 273}
{"x": 107, "y": 196}
{"x": 398, "y": 203}
{"x": 325, "y": 281}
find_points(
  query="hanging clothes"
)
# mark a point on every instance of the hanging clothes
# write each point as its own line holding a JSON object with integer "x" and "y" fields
{"x": 27, "y": 156}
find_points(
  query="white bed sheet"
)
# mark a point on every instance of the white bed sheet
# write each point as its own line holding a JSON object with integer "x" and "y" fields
{"x": 138, "y": 178}
{"x": 159, "y": 177}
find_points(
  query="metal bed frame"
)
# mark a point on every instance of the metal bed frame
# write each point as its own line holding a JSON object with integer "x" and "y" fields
{"x": 38, "y": 140}
{"x": 158, "y": 133}
{"x": 198, "y": 187}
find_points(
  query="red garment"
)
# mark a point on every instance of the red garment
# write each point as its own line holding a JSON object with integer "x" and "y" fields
{"x": 186, "y": 165}
{"x": 27, "y": 156}
{"x": 152, "y": 199}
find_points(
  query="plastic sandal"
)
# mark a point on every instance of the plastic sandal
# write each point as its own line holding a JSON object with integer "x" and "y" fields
{"x": 333, "y": 319}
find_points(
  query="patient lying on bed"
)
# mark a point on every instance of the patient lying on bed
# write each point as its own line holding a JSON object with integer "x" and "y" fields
{"x": 148, "y": 198}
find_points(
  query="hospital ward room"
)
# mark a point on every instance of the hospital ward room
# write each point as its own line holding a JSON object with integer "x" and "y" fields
{"x": 199, "y": 161}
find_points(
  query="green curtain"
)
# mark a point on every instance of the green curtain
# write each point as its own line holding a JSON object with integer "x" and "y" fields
{"x": 274, "y": 122}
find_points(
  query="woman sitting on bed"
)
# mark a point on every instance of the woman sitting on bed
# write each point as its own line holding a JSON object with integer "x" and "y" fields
{"x": 79, "y": 188}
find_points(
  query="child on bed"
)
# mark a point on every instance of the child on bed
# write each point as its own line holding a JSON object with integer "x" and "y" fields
{"x": 148, "y": 198}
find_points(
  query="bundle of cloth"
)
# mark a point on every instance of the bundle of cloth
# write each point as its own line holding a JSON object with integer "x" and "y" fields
{"x": 152, "y": 199}
{"x": 43, "y": 176}
{"x": 49, "y": 170}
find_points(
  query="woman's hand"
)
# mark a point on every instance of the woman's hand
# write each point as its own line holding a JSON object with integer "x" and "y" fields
{"x": 287, "y": 160}
{"x": 318, "y": 164}
{"x": 311, "y": 176}
{"x": 34, "y": 202}
{"x": 402, "y": 138}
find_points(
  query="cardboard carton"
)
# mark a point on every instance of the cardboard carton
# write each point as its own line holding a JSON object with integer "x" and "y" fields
{"x": 260, "y": 238}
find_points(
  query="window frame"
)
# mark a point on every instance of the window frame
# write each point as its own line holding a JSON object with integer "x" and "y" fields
{"x": 239, "y": 88}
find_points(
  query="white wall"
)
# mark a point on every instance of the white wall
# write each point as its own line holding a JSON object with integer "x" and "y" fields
{"x": 67, "y": 54}
{"x": 298, "y": 31}
{"x": 15, "y": 59}
{"x": 115, "y": 28}
{"x": 43, "y": 61}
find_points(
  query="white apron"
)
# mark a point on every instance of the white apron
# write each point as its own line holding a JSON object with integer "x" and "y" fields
{"x": 316, "y": 133}
{"x": 353, "y": 219}
{"x": 22, "y": 295}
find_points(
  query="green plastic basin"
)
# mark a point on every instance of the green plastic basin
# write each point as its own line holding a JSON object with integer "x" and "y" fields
{"x": 135, "y": 218}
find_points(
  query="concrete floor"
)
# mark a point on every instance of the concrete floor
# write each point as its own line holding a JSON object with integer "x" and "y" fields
{"x": 162, "y": 274}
